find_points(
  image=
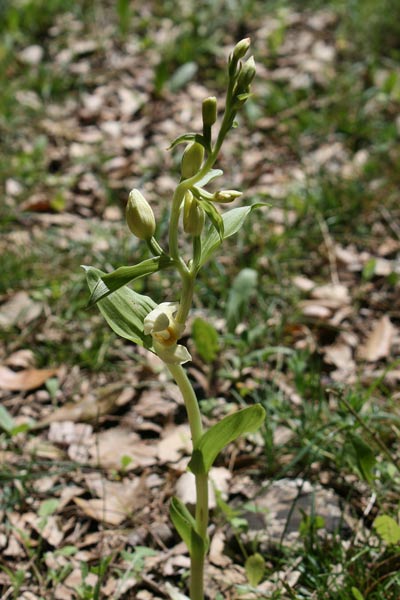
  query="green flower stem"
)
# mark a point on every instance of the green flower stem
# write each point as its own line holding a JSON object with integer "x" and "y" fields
{"x": 196, "y": 429}
{"x": 202, "y": 504}
{"x": 197, "y": 577}
{"x": 189, "y": 397}
{"x": 177, "y": 200}
{"x": 185, "y": 303}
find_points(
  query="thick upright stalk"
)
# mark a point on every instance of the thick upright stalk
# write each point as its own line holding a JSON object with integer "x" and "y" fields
{"x": 189, "y": 397}
{"x": 196, "y": 429}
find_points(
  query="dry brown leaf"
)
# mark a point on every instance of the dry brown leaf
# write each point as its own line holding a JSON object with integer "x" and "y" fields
{"x": 19, "y": 310}
{"x": 316, "y": 311}
{"x": 336, "y": 294}
{"x": 153, "y": 403}
{"x": 113, "y": 446}
{"x": 49, "y": 528}
{"x": 303, "y": 283}
{"x": 68, "y": 432}
{"x": 21, "y": 359}
{"x": 186, "y": 486}
{"x": 74, "y": 579}
{"x": 90, "y": 407}
{"x": 31, "y": 55}
{"x": 117, "y": 501}
{"x": 175, "y": 442}
{"x": 379, "y": 341}
{"x": 38, "y": 203}
{"x": 217, "y": 555}
{"x": 22, "y": 381}
{"x": 340, "y": 355}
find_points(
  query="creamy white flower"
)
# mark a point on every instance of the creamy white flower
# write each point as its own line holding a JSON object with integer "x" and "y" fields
{"x": 160, "y": 323}
{"x": 175, "y": 354}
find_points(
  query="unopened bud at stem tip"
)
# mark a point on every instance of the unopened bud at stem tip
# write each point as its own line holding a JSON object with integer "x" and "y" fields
{"x": 209, "y": 110}
{"x": 241, "y": 48}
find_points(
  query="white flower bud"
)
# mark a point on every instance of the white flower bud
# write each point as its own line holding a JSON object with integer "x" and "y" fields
{"x": 246, "y": 76}
{"x": 209, "y": 111}
{"x": 241, "y": 48}
{"x": 192, "y": 160}
{"x": 226, "y": 196}
{"x": 193, "y": 215}
{"x": 140, "y": 216}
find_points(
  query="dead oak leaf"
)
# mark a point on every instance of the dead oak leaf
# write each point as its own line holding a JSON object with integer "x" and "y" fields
{"x": 117, "y": 501}
{"x": 19, "y": 310}
{"x": 22, "y": 381}
{"x": 379, "y": 341}
{"x": 92, "y": 406}
{"x": 118, "y": 447}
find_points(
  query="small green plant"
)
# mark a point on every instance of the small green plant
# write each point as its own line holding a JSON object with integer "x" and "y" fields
{"x": 159, "y": 328}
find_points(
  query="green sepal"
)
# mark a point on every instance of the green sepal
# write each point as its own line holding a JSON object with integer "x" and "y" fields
{"x": 188, "y": 137}
{"x": 212, "y": 174}
{"x": 233, "y": 221}
{"x": 185, "y": 525}
{"x": 124, "y": 311}
{"x": 243, "y": 97}
{"x": 221, "y": 434}
{"x": 214, "y": 216}
{"x": 110, "y": 282}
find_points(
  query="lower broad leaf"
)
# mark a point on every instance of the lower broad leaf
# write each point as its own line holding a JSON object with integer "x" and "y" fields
{"x": 221, "y": 434}
{"x": 185, "y": 525}
{"x": 124, "y": 310}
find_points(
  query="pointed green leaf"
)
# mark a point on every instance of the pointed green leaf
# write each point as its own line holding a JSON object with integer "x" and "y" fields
{"x": 255, "y": 568}
{"x": 185, "y": 525}
{"x": 187, "y": 137}
{"x": 212, "y": 174}
{"x": 183, "y": 520}
{"x": 387, "y": 529}
{"x": 111, "y": 282}
{"x": 221, "y": 434}
{"x": 233, "y": 221}
{"x": 215, "y": 217}
{"x": 124, "y": 310}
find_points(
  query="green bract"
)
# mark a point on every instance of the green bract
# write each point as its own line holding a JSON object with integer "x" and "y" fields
{"x": 124, "y": 311}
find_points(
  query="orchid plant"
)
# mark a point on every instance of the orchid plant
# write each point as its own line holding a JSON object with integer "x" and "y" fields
{"x": 159, "y": 328}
